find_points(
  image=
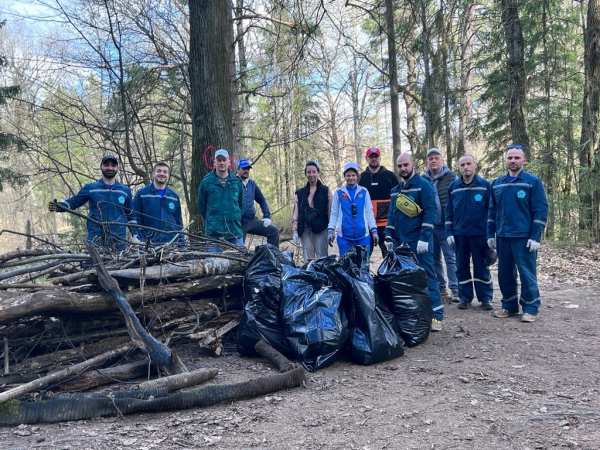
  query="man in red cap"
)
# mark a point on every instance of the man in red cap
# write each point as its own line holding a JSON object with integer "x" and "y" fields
{"x": 379, "y": 182}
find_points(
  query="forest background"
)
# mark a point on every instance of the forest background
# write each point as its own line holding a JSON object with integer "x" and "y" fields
{"x": 283, "y": 81}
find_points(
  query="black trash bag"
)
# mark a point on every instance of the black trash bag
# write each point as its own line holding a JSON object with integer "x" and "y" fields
{"x": 314, "y": 320}
{"x": 262, "y": 310}
{"x": 401, "y": 284}
{"x": 373, "y": 337}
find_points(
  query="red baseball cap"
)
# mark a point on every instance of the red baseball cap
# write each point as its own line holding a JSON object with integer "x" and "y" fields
{"x": 373, "y": 151}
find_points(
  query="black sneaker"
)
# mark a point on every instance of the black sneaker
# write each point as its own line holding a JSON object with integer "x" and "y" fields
{"x": 487, "y": 306}
{"x": 455, "y": 298}
{"x": 462, "y": 305}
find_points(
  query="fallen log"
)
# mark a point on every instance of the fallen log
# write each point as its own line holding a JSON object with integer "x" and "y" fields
{"x": 57, "y": 377}
{"x": 86, "y": 406}
{"x": 180, "y": 381}
{"x": 195, "y": 267}
{"x": 211, "y": 338}
{"x": 109, "y": 375}
{"x": 160, "y": 355}
{"x": 56, "y": 300}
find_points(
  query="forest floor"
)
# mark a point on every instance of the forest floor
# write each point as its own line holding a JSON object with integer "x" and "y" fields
{"x": 481, "y": 383}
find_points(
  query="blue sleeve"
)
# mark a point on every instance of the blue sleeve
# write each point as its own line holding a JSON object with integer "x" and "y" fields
{"x": 430, "y": 211}
{"x": 539, "y": 211}
{"x": 78, "y": 199}
{"x": 179, "y": 221}
{"x": 138, "y": 213}
{"x": 449, "y": 214}
{"x": 491, "y": 221}
{"x": 390, "y": 229}
{"x": 131, "y": 219}
{"x": 202, "y": 200}
{"x": 262, "y": 201}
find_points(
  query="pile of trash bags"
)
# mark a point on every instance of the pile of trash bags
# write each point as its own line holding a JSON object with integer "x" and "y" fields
{"x": 334, "y": 307}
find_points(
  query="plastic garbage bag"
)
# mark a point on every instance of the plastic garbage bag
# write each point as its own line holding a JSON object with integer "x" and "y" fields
{"x": 262, "y": 310}
{"x": 373, "y": 337}
{"x": 402, "y": 286}
{"x": 314, "y": 320}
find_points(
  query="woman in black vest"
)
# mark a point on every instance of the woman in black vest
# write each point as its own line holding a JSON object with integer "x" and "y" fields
{"x": 312, "y": 204}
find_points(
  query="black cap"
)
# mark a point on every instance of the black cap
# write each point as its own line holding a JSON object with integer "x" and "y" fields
{"x": 109, "y": 156}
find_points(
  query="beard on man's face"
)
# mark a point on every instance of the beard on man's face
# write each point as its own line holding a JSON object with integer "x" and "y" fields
{"x": 109, "y": 173}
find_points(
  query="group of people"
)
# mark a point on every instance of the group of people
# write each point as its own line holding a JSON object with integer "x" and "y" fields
{"x": 437, "y": 214}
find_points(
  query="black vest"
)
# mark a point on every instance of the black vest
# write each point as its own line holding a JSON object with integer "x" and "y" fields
{"x": 317, "y": 218}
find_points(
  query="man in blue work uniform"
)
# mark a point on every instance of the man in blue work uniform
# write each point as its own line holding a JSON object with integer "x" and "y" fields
{"x": 252, "y": 193}
{"x": 109, "y": 204}
{"x": 220, "y": 198}
{"x": 516, "y": 221}
{"x": 413, "y": 211}
{"x": 440, "y": 176}
{"x": 158, "y": 206}
{"x": 466, "y": 227}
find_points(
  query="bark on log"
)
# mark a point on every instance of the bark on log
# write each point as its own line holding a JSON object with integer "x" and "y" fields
{"x": 15, "y": 306}
{"x": 57, "y": 377}
{"x": 179, "y": 381}
{"x": 195, "y": 267}
{"x": 102, "y": 377}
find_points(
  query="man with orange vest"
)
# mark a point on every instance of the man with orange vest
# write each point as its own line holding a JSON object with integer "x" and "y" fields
{"x": 379, "y": 181}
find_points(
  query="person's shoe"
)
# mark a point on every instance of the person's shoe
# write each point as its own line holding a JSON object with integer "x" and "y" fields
{"x": 462, "y": 305}
{"x": 436, "y": 325}
{"x": 455, "y": 298}
{"x": 526, "y": 317}
{"x": 446, "y": 297}
{"x": 504, "y": 313}
{"x": 487, "y": 306}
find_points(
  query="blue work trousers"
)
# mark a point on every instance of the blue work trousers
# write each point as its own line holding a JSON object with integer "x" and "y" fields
{"x": 344, "y": 244}
{"x": 441, "y": 247}
{"x": 425, "y": 260}
{"x": 513, "y": 257}
{"x": 473, "y": 248}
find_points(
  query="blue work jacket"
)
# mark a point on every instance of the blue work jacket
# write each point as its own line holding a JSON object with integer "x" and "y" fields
{"x": 518, "y": 207}
{"x": 252, "y": 193}
{"x": 352, "y": 213}
{"x": 467, "y": 208}
{"x": 106, "y": 203}
{"x": 405, "y": 229}
{"x": 158, "y": 211}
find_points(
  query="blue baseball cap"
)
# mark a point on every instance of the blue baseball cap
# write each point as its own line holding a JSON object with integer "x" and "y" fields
{"x": 222, "y": 152}
{"x": 244, "y": 164}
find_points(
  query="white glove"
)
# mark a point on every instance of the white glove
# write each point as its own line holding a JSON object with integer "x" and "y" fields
{"x": 389, "y": 245}
{"x": 136, "y": 240}
{"x": 267, "y": 222}
{"x": 532, "y": 245}
{"x": 422, "y": 247}
{"x": 492, "y": 243}
{"x": 296, "y": 238}
{"x": 450, "y": 241}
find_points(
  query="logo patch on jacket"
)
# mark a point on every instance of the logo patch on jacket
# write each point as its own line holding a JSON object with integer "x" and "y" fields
{"x": 121, "y": 199}
{"x": 521, "y": 194}
{"x": 171, "y": 205}
{"x": 478, "y": 197}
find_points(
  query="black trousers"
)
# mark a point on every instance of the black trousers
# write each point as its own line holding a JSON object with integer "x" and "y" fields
{"x": 381, "y": 235}
{"x": 256, "y": 226}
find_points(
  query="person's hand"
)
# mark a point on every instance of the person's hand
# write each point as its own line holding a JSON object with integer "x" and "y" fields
{"x": 389, "y": 244}
{"x": 267, "y": 222}
{"x": 136, "y": 240}
{"x": 491, "y": 242}
{"x": 532, "y": 245}
{"x": 422, "y": 247}
{"x": 330, "y": 237}
{"x": 296, "y": 238}
{"x": 55, "y": 206}
{"x": 375, "y": 238}
{"x": 450, "y": 241}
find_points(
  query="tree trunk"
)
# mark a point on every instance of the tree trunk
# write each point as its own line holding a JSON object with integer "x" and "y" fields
{"x": 211, "y": 47}
{"x": 589, "y": 192}
{"x": 464, "y": 99}
{"x": 393, "y": 77}
{"x": 517, "y": 90}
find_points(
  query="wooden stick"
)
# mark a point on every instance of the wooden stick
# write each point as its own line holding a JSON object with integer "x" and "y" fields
{"x": 179, "y": 381}
{"x": 6, "y": 357}
{"x": 57, "y": 377}
{"x": 100, "y": 377}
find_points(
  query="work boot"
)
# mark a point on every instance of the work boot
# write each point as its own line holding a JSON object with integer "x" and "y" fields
{"x": 436, "y": 325}
{"x": 526, "y": 317}
{"x": 487, "y": 306}
{"x": 463, "y": 305}
{"x": 504, "y": 313}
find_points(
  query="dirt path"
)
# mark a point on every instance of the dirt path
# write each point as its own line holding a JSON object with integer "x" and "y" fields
{"x": 481, "y": 383}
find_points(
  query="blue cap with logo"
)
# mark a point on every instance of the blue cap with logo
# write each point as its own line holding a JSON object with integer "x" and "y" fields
{"x": 244, "y": 164}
